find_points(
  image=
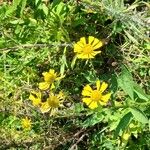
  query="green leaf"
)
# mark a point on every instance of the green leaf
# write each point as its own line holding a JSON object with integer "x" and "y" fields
{"x": 13, "y": 7}
{"x": 90, "y": 76}
{"x": 78, "y": 107}
{"x": 125, "y": 81}
{"x": 63, "y": 63}
{"x": 37, "y": 2}
{"x": 139, "y": 115}
{"x": 149, "y": 124}
{"x": 45, "y": 9}
{"x": 131, "y": 37}
{"x": 55, "y": 2}
{"x": 124, "y": 122}
{"x": 139, "y": 91}
{"x": 73, "y": 62}
{"x": 24, "y": 2}
{"x": 93, "y": 119}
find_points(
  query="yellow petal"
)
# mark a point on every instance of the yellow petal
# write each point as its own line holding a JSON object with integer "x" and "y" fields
{"x": 96, "y": 41}
{"x": 36, "y": 94}
{"x": 106, "y": 97}
{"x": 44, "y": 85}
{"x": 52, "y": 71}
{"x": 45, "y": 107}
{"x": 87, "y": 91}
{"x": 103, "y": 87}
{"x": 39, "y": 95}
{"x": 49, "y": 76}
{"x": 91, "y": 39}
{"x": 96, "y": 52}
{"x": 52, "y": 86}
{"x": 98, "y": 84}
{"x": 93, "y": 105}
{"x": 87, "y": 100}
{"x": 35, "y": 97}
{"x": 80, "y": 44}
{"x": 46, "y": 75}
{"x": 36, "y": 102}
{"x": 77, "y": 48}
{"x": 90, "y": 56}
{"x": 59, "y": 78}
{"x": 31, "y": 97}
{"x": 84, "y": 56}
{"x": 98, "y": 45}
{"x": 54, "y": 112}
{"x": 83, "y": 40}
{"x": 61, "y": 95}
{"x": 102, "y": 103}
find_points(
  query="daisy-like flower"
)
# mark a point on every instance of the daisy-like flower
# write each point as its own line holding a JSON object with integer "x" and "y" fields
{"x": 26, "y": 123}
{"x": 86, "y": 50}
{"x": 52, "y": 103}
{"x": 93, "y": 98}
{"x": 35, "y": 97}
{"x": 49, "y": 78}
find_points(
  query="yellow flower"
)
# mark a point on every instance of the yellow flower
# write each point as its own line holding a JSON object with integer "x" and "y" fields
{"x": 49, "y": 78}
{"x": 26, "y": 123}
{"x": 126, "y": 136}
{"x": 35, "y": 97}
{"x": 86, "y": 50}
{"x": 93, "y": 98}
{"x": 53, "y": 102}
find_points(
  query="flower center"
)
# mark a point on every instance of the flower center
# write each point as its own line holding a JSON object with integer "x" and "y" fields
{"x": 26, "y": 123}
{"x": 51, "y": 78}
{"x": 87, "y": 49}
{"x": 96, "y": 95}
{"x": 53, "y": 102}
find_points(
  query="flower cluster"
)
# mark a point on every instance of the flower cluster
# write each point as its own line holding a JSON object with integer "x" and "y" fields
{"x": 92, "y": 97}
{"x": 54, "y": 101}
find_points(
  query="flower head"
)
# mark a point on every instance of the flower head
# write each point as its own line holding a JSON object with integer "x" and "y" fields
{"x": 93, "y": 98}
{"x": 53, "y": 102}
{"x": 49, "y": 78}
{"x": 26, "y": 123}
{"x": 35, "y": 97}
{"x": 86, "y": 50}
{"x": 126, "y": 136}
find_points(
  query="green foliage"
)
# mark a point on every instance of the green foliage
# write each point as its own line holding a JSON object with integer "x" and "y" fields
{"x": 39, "y": 35}
{"x": 125, "y": 81}
{"x": 123, "y": 124}
{"x": 139, "y": 115}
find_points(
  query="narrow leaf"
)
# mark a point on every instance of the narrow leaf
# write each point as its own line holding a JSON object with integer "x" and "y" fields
{"x": 73, "y": 62}
{"x": 125, "y": 81}
{"x": 131, "y": 37}
{"x": 13, "y": 7}
{"x": 45, "y": 9}
{"x": 139, "y": 91}
{"x": 149, "y": 124}
{"x": 93, "y": 119}
{"x": 124, "y": 122}
{"x": 24, "y": 2}
{"x": 139, "y": 115}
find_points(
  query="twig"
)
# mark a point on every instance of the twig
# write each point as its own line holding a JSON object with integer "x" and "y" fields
{"x": 25, "y": 46}
{"x": 74, "y": 146}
